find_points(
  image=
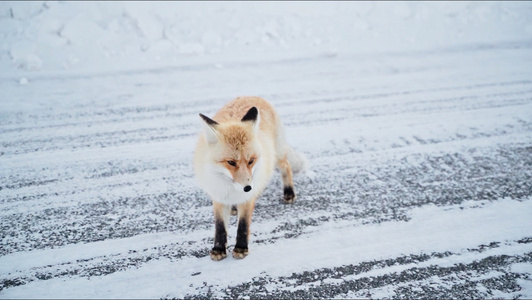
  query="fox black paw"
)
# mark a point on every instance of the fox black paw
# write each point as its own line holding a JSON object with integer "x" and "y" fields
{"x": 289, "y": 195}
{"x": 218, "y": 254}
{"x": 240, "y": 253}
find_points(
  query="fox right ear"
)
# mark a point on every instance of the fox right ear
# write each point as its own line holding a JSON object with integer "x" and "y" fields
{"x": 209, "y": 126}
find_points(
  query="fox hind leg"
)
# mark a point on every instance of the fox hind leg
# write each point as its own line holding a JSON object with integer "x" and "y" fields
{"x": 288, "y": 183}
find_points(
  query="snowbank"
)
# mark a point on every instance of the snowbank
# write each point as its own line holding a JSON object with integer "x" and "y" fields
{"x": 58, "y": 36}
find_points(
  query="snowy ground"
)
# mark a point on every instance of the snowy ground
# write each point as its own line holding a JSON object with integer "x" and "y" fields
{"x": 421, "y": 153}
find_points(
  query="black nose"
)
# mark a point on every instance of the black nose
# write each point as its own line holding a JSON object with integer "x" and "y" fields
{"x": 247, "y": 188}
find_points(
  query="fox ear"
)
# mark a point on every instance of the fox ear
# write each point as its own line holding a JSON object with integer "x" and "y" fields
{"x": 209, "y": 126}
{"x": 252, "y": 116}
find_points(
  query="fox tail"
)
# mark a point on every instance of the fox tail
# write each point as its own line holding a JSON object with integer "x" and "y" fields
{"x": 298, "y": 161}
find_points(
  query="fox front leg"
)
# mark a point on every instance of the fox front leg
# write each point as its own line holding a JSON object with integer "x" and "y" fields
{"x": 245, "y": 210}
{"x": 221, "y": 216}
{"x": 241, "y": 248}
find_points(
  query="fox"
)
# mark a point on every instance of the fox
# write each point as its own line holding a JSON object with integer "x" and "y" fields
{"x": 234, "y": 160}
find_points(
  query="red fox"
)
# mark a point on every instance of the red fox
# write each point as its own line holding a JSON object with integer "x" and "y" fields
{"x": 234, "y": 160}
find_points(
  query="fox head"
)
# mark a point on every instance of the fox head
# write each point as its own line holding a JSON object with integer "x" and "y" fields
{"x": 233, "y": 147}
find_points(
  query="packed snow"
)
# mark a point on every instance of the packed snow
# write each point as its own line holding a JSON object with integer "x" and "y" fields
{"x": 415, "y": 117}
{"x": 430, "y": 229}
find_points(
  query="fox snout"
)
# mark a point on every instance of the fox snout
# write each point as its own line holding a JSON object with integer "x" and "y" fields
{"x": 246, "y": 185}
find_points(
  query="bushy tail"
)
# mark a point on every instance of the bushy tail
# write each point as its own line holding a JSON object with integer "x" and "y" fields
{"x": 298, "y": 161}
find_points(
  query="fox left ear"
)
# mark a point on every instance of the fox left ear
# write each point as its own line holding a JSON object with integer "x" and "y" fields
{"x": 209, "y": 126}
{"x": 252, "y": 116}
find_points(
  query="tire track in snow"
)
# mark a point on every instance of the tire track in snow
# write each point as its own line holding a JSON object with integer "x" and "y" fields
{"x": 396, "y": 278}
{"x": 479, "y": 148}
{"x": 336, "y": 107}
{"x": 469, "y": 181}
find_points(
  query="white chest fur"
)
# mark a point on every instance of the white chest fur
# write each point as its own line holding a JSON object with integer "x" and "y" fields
{"x": 221, "y": 188}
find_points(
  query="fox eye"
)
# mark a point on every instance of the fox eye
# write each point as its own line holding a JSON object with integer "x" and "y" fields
{"x": 251, "y": 161}
{"x": 232, "y": 163}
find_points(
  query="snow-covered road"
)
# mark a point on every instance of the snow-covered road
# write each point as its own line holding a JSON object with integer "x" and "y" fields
{"x": 419, "y": 144}
{"x": 421, "y": 183}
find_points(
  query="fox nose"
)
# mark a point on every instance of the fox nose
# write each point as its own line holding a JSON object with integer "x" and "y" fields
{"x": 247, "y": 188}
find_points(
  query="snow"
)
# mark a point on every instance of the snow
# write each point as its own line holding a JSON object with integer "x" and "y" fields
{"x": 431, "y": 229}
{"x": 415, "y": 118}
{"x": 62, "y": 36}
{"x": 38, "y": 258}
